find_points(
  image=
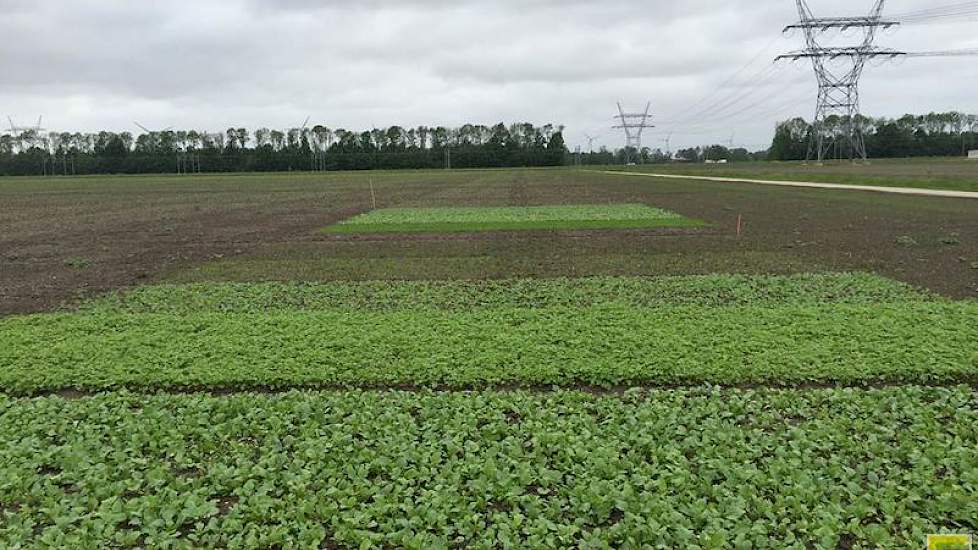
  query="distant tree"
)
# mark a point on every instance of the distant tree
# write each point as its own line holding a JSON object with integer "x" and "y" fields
{"x": 556, "y": 148}
{"x": 262, "y": 136}
{"x": 715, "y": 152}
{"x": 691, "y": 154}
{"x": 115, "y": 147}
{"x": 933, "y": 134}
{"x": 232, "y": 139}
{"x": 790, "y": 140}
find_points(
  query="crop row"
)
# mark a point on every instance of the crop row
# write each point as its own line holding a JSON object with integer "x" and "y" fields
{"x": 604, "y": 345}
{"x": 699, "y": 290}
{"x": 512, "y": 218}
{"x": 701, "y": 468}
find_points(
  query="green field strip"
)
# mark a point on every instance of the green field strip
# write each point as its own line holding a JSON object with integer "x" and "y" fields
{"x": 513, "y": 218}
{"x": 601, "y": 345}
{"x": 695, "y": 290}
{"x": 285, "y": 263}
{"x": 701, "y": 468}
{"x": 556, "y": 225}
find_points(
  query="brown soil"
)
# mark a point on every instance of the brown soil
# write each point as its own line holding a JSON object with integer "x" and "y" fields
{"x": 64, "y": 239}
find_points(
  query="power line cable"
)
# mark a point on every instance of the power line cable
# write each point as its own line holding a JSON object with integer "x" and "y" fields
{"x": 749, "y": 112}
{"x": 939, "y": 21}
{"x": 730, "y": 97}
{"x": 950, "y": 10}
{"x": 949, "y": 14}
{"x": 970, "y": 52}
{"x": 778, "y": 109}
{"x": 731, "y": 79}
{"x": 741, "y": 94}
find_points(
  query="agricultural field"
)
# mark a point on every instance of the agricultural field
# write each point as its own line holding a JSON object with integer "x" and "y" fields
{"x": 210, "y": 362}
{"x": 512, "y": 218}
{"x": 607, "y": 332}
{"x": 689, "y": 468}
{"x": 65, "y": 239}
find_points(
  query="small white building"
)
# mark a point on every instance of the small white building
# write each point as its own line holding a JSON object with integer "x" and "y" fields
{"x": 973, "y": 154}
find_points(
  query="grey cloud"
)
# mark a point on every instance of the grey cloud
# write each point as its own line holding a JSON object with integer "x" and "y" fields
{"x": 93, "y": 64}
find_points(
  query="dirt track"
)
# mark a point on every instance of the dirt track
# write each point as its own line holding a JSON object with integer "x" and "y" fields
{"x": 814, "y": 185}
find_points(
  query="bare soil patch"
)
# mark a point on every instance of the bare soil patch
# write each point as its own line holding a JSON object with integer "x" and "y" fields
{"x": 64, "y": 239}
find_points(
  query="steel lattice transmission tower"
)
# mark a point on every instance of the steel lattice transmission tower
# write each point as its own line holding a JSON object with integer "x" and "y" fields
{"x": 633, "y": 124}
{"x": 838, "y": 69}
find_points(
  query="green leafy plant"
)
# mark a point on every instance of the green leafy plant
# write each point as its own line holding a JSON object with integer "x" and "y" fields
{"x": 523, "y": 333}
{"x": 346, "y": 469}
{"x": 78, "y": 263}
{"x": 345, "y": 466}
{"x": 618, "y": 216}
{"x": 716, "y": 290}
{"x": 953, "y": 239}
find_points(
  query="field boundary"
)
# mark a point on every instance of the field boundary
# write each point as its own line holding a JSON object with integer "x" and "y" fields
{"x": 809, "y": 184}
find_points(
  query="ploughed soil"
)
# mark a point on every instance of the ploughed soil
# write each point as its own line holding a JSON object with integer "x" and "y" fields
{"x": 64, "y": 239}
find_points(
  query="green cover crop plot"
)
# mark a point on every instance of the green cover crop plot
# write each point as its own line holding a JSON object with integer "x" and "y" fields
{"x": 698, "y": 468}
{"x": 617, "y": 216}
{"x": 724, "y": 330}
{"x": 569, "y": 346}
{"x": 496, "y": 400}
{"x": 694, "y": 290}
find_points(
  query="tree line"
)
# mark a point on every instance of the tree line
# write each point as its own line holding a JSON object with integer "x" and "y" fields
{"x": 318, "y": 148}
{"x": 930, "y": 135}
{"x": 646, "y": 155}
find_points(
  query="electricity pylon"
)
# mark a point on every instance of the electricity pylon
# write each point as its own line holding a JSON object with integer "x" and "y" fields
{"x": 838, "y": 69}
{"x": 668, "y": 142}
{"x": 36, "y": 128}
{"x": 633, "y": 124}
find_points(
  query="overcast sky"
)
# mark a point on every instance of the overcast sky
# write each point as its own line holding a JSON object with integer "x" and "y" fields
{"x": 90, "y": 65}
